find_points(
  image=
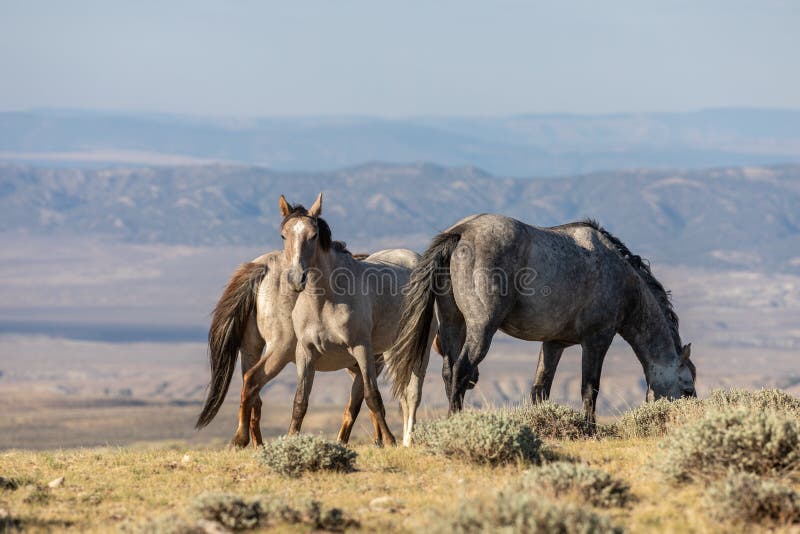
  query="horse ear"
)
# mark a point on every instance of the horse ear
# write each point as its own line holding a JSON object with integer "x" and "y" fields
{"x": 285, "y": 208}
{"x": 685, "y": 353}
{"x": 316, "y": 207}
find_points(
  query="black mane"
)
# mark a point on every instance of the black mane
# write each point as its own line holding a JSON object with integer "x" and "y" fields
{"x": 642, "y": 267}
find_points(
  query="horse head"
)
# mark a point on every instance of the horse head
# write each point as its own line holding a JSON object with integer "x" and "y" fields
{"x": 303, "y": 233}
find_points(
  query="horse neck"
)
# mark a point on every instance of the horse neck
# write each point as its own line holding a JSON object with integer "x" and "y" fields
{"x": 325, "y": 262}
{"x": 648, "y": 332}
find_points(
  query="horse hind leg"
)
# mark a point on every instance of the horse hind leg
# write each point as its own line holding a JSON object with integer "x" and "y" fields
{"x": 549, "y": 356}
{"x": 412, "y": 396}
{"x": 594, "y": 349}
{"x": 250, "y": 349}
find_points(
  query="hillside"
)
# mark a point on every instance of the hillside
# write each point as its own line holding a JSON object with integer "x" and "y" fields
{"x": 519, "y": 145}
{"x": 720, "y": 218}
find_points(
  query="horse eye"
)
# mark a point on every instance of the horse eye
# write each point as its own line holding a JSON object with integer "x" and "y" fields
{"x": 283, "y": 237}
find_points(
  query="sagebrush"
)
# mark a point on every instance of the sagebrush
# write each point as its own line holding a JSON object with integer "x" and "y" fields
{"x": 226, "y": 511}
{"x": 658, "y": 417}
{"x": 748, "y": 498}
{"x": 523, "y": 512}
{"x": 231, "y": 511}
{"x": 748, "y": 440}
{"x": 551, "y": 420}
{"x": 761, "y": 399}
{"x": 481, "y": 437}
{"x": 294, "y": 455}
{"x": 585, "y": 483}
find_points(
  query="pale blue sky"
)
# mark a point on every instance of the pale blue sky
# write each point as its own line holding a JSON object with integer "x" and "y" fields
{"x": 247, "y": 57}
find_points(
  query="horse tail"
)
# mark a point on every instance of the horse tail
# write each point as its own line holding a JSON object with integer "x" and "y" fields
{"x": 228, "y": 324}
{"x": 431, "y": 273}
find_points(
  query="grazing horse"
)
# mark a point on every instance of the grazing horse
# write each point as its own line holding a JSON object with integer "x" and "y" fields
{"x": 566, "y": 285}
{"x": 346, "y": 312}
{"x": 254, "y": 312}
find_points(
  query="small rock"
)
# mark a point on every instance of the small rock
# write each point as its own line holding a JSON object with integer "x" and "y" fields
{"x": 56, "y": 483}
{"x": 8, "y": 484}
{"x": 186, "y": 459}
{"x": 384, "y": 504}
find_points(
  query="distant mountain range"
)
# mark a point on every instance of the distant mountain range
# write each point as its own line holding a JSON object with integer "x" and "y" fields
{"x": 746, "y": 218}
{"x": 523, "y": 145}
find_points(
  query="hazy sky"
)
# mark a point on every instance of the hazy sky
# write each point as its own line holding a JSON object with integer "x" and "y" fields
{"x": 242, "y": 57}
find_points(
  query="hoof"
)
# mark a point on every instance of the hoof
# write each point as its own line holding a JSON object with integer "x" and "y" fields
{"x": 538, "y": 395}
{"x": 239, "y": 443}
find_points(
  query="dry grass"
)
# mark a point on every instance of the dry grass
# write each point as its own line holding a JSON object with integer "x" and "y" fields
{"x": 112, "y": 488}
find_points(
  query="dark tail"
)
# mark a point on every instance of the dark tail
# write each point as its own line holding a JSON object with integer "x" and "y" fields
{"x": 228, "y": 324}
{"x": 431, "y": 274}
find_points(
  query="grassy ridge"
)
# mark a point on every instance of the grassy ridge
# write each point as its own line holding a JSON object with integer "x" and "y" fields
{"x": 391, "y": 488}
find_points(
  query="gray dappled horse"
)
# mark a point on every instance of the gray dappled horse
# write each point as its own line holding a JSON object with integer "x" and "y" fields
{"x": 566, "y": 285}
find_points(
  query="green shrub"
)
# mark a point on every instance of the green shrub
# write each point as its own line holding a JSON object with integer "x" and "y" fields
{"x": 658, "y": 417}
{"x": 294, "y": 455}
{"x": 480, "y": 437}
{"x": 747, "y": 498}
{"x": 551, "y": 420}
{"x": 523, "y": 512}
{"x": 754, "y": 441}
{"x": 228, "y": 510}
{"x": 587, "y": 484}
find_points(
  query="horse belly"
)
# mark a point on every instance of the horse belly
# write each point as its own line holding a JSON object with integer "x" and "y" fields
{"x": 334, "y": 361}
{"x": 535, "y": 318}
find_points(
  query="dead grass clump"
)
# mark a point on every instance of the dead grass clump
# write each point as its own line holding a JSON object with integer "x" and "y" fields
{"x": 752, "y": 441}
{"x": 579, "y": 480}
{"x": 480, "y": 437}
{"x": 747, "y": 498}
{"x": 295, "y": 455}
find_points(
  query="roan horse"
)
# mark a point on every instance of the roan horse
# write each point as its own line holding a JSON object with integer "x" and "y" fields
{"x": 346, "y": 312}
{"x": 566, "y": 285}
{"x": 255, "y": 311}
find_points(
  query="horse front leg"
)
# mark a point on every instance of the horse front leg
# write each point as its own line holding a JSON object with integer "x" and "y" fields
{"x": 305, "y": 358}
{"x": 549, "y": 356}
{"x": 593, "y": 353}
{"x": 353, "y": 405}
{"x": 366, "y": 363}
